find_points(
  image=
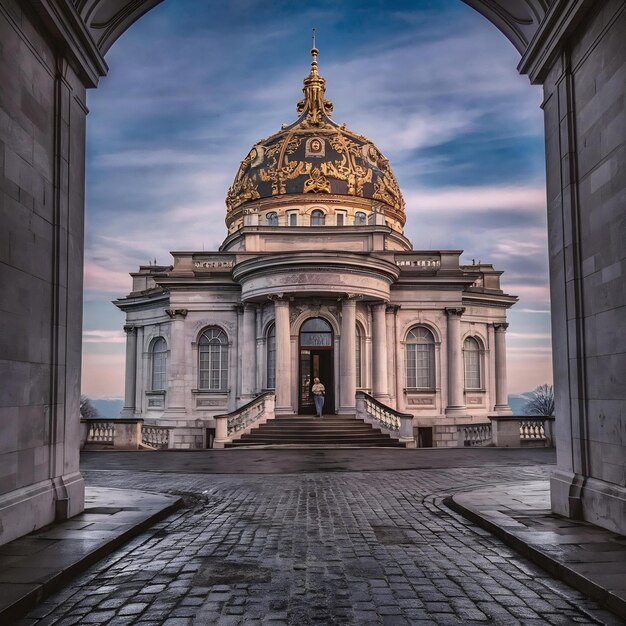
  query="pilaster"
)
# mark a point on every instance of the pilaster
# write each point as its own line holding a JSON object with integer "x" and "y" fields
{"x": 502, "y": 402}
{"x": 380, "y": 386}
{"x": 249, "y": 352}
{"x": 130, "y": 381}
{"x": 456, "y": 398}
{"x": 176, "y": 367}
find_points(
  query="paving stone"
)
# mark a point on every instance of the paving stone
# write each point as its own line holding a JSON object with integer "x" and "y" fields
{"x": 317, "y": 549}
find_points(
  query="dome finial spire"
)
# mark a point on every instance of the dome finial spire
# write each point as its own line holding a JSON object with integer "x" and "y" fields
{"x": 314, "y": 106}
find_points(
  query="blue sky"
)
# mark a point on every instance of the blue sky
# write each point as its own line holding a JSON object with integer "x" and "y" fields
{"x": 193, "y": 85}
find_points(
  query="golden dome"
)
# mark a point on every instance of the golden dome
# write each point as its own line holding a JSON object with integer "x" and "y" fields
{"x": 315, "y": 155}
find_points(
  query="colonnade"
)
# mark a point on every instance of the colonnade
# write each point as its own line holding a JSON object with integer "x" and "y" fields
{"x": 383, "y": 346}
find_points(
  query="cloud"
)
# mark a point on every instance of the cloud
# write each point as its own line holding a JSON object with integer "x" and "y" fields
{"x": 148, "y": 158}
{"x": 476, "y": 199}
{"x": 104, "y": 336}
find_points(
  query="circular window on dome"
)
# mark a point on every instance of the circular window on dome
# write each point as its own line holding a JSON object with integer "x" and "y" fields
{"x": 315, "y": 147}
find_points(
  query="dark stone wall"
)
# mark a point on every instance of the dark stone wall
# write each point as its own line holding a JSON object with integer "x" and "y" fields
{"x": 42, "y": 137}
{"x": 585, "y": 123}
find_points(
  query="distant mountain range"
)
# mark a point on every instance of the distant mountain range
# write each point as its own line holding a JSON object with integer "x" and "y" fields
{"x": 517, "y": 402}
{"x": 108, "y": 407}
{"x": 111, "y": 407}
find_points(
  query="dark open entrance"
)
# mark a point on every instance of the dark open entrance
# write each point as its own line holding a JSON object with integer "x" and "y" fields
{"x": 316, "y": 361}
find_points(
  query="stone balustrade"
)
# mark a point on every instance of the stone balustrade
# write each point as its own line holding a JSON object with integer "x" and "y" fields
{"x": 157, "y": 437}
{"x": 122, "y": 434}
{"x": 475, "y": 435}
{"x": 510, "y": 431}
{"x": 394, "y": 423}
{"x": 233, "y": 425}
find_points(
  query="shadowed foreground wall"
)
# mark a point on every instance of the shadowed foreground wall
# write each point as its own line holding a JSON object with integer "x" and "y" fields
{"x": 42, "y": 139}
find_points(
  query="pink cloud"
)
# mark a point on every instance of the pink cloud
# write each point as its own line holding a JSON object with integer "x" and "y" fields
{"x": 103, "y": 375}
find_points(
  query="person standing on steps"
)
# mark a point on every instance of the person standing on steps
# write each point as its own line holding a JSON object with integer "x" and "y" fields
{"x": 318, "y": 391}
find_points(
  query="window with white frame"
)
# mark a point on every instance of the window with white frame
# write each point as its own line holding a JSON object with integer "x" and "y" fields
{"x": 159, "y": 365}
{"x": 272, "y": 219}
{"x": 472, "y": 363}
{"x": 293, "y": 219}
{"x": 213, "y": 360}
{"x": 420, "y": 359}
{"x": 271, "y": 357}
{"x": 359, "y": 339}
{"x": 318, "y": 218}
{"x": 359, "y": 218}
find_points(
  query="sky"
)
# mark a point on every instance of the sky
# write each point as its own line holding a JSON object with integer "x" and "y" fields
{"x": 193, "y": 85}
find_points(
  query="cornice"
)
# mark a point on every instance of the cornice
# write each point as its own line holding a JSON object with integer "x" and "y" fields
{"x": 68, "y": 30}
{"x": 316, "y": 261}
{"x": 141, "y": 301}
{"x": 560, "y": 20}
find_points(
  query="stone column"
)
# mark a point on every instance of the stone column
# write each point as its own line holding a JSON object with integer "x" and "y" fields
{"x": 502, "y": 401}
{"x": 347, "y": 357}
{"x": 248, "y": 351}
{"x": 283, "y": 356}
{"x": 393, "y": 367}
{"x": 380, "y": 387}
{"x": 176, "y": 366}
{"x": 456, "y": 382}
{"x": 130, "y": 382}
{"x": 261, "y": 359}
{"x": 139, "y": 369}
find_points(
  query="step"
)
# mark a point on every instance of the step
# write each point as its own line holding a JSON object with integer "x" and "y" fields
{"x": 310, "y": 431}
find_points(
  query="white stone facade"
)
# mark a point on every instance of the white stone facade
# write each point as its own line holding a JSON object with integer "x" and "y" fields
{"x": 371, "y": 299}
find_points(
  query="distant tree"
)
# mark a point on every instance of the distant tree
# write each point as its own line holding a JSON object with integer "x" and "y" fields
{"x": 541, "y": 401}
{"x": 87, "y": 409}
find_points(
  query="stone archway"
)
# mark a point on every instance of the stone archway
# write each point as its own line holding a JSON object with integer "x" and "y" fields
{"x": 53, "y": 50}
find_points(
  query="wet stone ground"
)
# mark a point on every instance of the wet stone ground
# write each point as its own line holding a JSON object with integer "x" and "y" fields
{"x": 316, "y": 548}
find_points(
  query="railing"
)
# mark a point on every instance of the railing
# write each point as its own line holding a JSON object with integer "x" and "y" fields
{"x": 511, "y": 431}
{"x": 396, "y": 424}
{"x": 532, "y": 429}
{"x": 473, "y": 435}
{"x": 99, "y": 432}
{"x": 120, "y": 434}
{"x": 233, "y": 425}
{"x": 157, "y": 437}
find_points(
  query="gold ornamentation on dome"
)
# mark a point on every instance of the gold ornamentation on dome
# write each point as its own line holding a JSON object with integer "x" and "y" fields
{"x": 243, "y": 190}
{"x": 386, "y": 187}
{"x": 317, "y": 183}
{"x": 315, "y": 147}
{"x": 316, "y": 151}
{"x": 314, "y": 106}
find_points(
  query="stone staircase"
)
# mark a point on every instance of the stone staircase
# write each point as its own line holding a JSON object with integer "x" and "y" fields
{"x": 307, "y": 431}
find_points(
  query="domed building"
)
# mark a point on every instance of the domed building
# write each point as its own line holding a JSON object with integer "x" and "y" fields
{"x": 315, "y": 279}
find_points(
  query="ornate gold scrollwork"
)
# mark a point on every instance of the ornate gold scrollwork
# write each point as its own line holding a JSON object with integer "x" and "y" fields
{"x": 317, "y": 183}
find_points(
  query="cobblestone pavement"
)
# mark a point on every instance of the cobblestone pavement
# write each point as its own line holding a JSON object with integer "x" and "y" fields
{"x": 318, "y": 548}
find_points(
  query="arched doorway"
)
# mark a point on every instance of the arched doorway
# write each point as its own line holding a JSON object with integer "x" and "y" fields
{"x": 315, "y": 361}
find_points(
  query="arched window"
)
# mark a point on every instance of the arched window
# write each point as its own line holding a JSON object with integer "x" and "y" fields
{"x": 271, "y": 357}
{"x": 213, "y": 360}
{"x": 358, "y": 357}
{"x": 159, "y": 365}
{"x": 420, "y": 359}
{"x": 272, "y": 219}
{"x": 359, "y": 218}
{"x": 317, "y": 218}
{"x": 472, "y": 364}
